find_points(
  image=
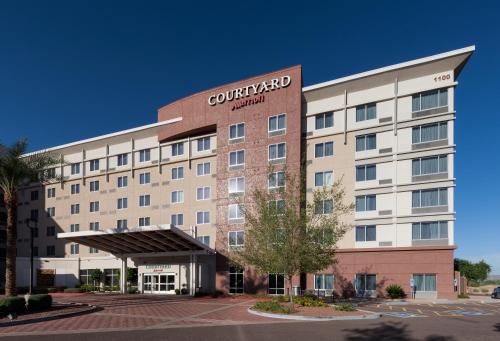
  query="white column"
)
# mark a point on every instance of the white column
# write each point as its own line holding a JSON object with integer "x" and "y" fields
{"x": 191, "y": 275}
{"x": 123, "y": 276}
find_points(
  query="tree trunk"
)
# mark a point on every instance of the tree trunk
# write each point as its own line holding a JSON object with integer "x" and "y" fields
{"x": 10, "y": 200}
{"x": 290, "y": 293}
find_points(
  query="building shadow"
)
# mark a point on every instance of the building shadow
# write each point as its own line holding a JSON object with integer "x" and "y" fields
{"x": 389, "y": 331}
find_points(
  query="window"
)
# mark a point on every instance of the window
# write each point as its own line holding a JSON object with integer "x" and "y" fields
{"x": 94, "y": 206}
{"x": 236, "y": 131}
{"x": 366, "y": 142}
{"x": 121, "y": 224}
{"x": 430, "y": 132}
{"x": 323, "y": 282}
{"x": 94, "y": 226}
{"x": 429, "y": 100}
{"x": 51, "y": 250}
{"x": 236, "y": 238}
{"x": 366, "y": 203}
{"x": 75, "y": 188}
{"x": 204, "y": 239}
{"x": 430, "y": 230}
{"x": 430, "y": 197}
{"x": 366, "y": 282}
{"x": 237, "y": 158}
{"x": 122, "y": 159}
{"x": 144, "y": 178}
{"x": 203, "y": 193}
{"x": 203, "y": 217}
{"x": 429, "y": 165}
{"x": 144, "y": 221}
{"x": 277, "y": 206}
{"x": 94, "y": 186}
{"x": 324, "y": 120}
{"x": 34, "y": 195}
{"x": 203, "y": 144}
{"x": 366, "y": 233}
{"x": 122, "y": 203}
{"x": 235, "y": 212}
{"x": 178, "y": 149}
{"x": 424, "y": 282}
{"x": 276, "y": 284}
{"x": 235, "y": 280}
{"x": 366, "y": 112}
{"x": 203, "y": 169}
{"x": 324, "y": 206}
{"x": 236, "y": 185}
{"x": 277, "y": 151}
{"x": 323, "y": 149}
{"x": 122, "y": 181}
{"x": 145, "y": 155}
{"x": 112, "y": 277}
{"x": 51, "y": 231}
{"x": 277, "y": 123}
{"x": 75, "y": 168}
{"x": 177, "y": 197}
{"x": 50, "y": 173}
{"x": 94, "y": 165}
{"x": 177, "y": 173}
{"x": 93, "y": 250}
{"x": 144, "y": 200}
{"x": 366, "y": 172}
{"x": 276, "y": 180}
{"x": 177, "y": 219}
{"x": 75, "y": 208}
{"x": 34, "y": 214}
{"x": 74, "y": 227}
{"x": 75, "y": 249}
{"x": 51, "y": 192}
{"x": 323, "y": 179}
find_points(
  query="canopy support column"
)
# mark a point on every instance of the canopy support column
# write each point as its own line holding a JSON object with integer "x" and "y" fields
{"x": 123, "y": 276}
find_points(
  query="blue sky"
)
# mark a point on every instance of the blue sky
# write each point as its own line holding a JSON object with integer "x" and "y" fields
{"x": 66, "y": 65}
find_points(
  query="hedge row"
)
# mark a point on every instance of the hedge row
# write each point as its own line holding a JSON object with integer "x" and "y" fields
{"x": 18, "y": 304}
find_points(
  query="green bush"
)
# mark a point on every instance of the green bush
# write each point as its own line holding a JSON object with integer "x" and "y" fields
{"x": 271, "y": 306}
{"x": 55, "y": 289}
{"x": 39, "y": 302}
{"x": 463, "y": 296}
{"x": 395, "y": 291}
{"x": 87, "y": 288}
{"x": 74, "y": 290}
{"x": 281, "y": 298}
{"x": 344, "y": 307}
{"x": 12, "y": 305}
{"x": 308, "y": 301}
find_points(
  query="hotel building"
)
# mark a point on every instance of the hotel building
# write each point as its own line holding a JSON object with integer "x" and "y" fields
{"x": 164, "y": 197}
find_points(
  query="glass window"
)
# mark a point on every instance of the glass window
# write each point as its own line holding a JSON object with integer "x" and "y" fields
{"x": 424, "y": 282}
{"x": 203, "y": 193}
{"x": 74, "y": 227}
{"x": 236, "y": 131}
{"x": 366, "y": 282}
{"x": 203, "y": 169}
{"x": 430, "y": 197}
{"x": 324, "y": 120}
{"x": 430, "y": 230}
{"x": 235, "y": 280}
{"x": 204, "y": 239}
{"x": 236, "y": 185}
{"x": 324, "y": 207}
{"x": 34, "y": 195}
{"x": 75, "y": 168}
{"x": 277, "y": 151}
{"x": 430, "y": 132}
{"x": 276, "y": 284}
{"x": 323, "y": 179}
{"x": 235, "y": 212}
{"x": 75, "y": 188}
{"x": 94, "y": 206}
{"x": 323, "y": 149}
{"x": 366, "y": 172}
{"x": 277, "y": 122}
{"x": 177, "y": 219}
{"x": 430, "y": 165}
{"x": 94, "y": 226}
{"x": 203, "y": 217}
{"x": 366, "y": 142}
{"x": 145, "y": 221}
{"x": 177, "y": 173}
{"x": 323, "y": 282}
{"x": 122, "y": 181}
{"x": 94, "y": 165}
{"x": 177, "y": 197}
{"x": 75, "y": 249}
{"x": 203, "y": 144}
{"x": 276, "y": 180}
{"x": 144, "y": 155}
{"x": 121, "y": 224}
{"x": 122, "y": 203}
{"x": 366, "y": 233}
{"x": 94, "y": 186}
{"x": 122, "y": 159}
{"x": 51, "y": 250}
{"x": 366, "y": 203}
{"x": 51, "y": 231}
{"x": 144, "y": 178}
{"x": 366, "y": 112}
{"x": 75, "y": 208}
{"x": 178, "y": 149}
{"x": 51, "y": 192}
{"x": 144, "y": 200}
{"x": 236, "y": 238}
{"x": 429, "y": 100}
{"x": 237, "y": 158}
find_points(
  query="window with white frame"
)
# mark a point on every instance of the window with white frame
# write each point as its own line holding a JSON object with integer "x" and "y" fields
{"x": 50, "y": 173}
{"x": 145, "y": 155}
{"x": 203, "y": 217}
{"x": 177, "y": 173}
{"x": 366, "y": 203}
{"x": 74, "y": 227}
{"x": 424, "y": 282}
{"x": 122, "y": 181}
{"x": 277, "y": 123}
{"x": 366, "y": 142}
{"x": 430, "y": 197}
{"x": 203, "y": 169}
{"x": 236, "y": 131}
{"x": 144, "y": 178}
{"x": 276, "y": 284}
{"x": 51, "y": 192}
{"x": 34, "y": 195}
{"x": 75, "y": 168}
{"x": 323, "y": 149}
{"x": 94, "y": 165}
{"x": 430, "y": 132}
{"x": 75, "y": 189}
{"x": 429, "y": 100}
{"x": 144, "y": 200}
{"x": 94, "y": 206}
{"x": 429, "y": 165}
{"x": 430, "y": 230}
{"x": 366, "y": 112}
{"x": 51, "y": 211}
{"x": 203, "y": 193}
{"x": 365, "y": 282}
{"x": 122, "y": 159}
{"x": 75, "y": 208}
{"x": 236, "y": 239}
{"x": 204, "y": 239}
{"x": 277, "y": 206}
{"x": 94, "y": 226}
{"x": 121, "y": 203}
{"x": 323, "y": 282}
{"x": 236, "y": 185}
{"x": 93, "y": 250}
{"x": 235, "y": 213}
{"x": 236, "y": 275}
{"x": 178, "y": 149}
{"x": 323, "y": 179}
{"x": 324, "y": 206}
{"x": 276, "y": 180}
{"x": 144, "y": 221}
{"x": 237, "y": 158}
{"x": 121, "y": 224}
{"x": 324, "y": 120}
{"x": 177, "y": 219}
{"x": 75, "y": 249}
{"x": 94, "y": 186}
{"x": 277, "y": 151}
{"x": 203, "y": 144}
{"x": 366, "y": 233}
{"x": 366, "y": 173}
{"x": 177, "y": 197}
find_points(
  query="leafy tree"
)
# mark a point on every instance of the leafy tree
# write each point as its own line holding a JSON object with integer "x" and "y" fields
{"x": 290, "y": 235}
{"x": 17, "y": 170}
{"x": 474, "y": 272}
{"x": 132, "y": 275}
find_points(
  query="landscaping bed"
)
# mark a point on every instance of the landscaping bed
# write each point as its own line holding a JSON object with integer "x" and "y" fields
{"x": 54, "y": 312}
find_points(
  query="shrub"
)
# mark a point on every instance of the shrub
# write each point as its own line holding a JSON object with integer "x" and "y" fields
{"x": 308, "y": 301}
{"x": 39, "y": 302}
{"x": 184, "y": 291}
{"x": 463, "y": 296}
{"x": 177, "y": 292}
{"x": 87, "y": 288}
{"x": 271, "y": 306}
{"x": 282, "y": 298}
{"x": 344, "y": 307}
{"x": 74, "y": 290}
{"x": 12, "y": 305}
{"x": 395, "y": 291}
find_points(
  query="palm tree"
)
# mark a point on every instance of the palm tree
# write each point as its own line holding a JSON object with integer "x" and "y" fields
{"x": 17, "y": 170}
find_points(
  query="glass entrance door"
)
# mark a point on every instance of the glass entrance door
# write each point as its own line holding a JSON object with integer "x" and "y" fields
{"x": 163, "y": 283}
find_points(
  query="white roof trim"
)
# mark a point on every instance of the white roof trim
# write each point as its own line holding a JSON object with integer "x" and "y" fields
{"x": 118, "y": 133}
{"x": 414, "y": 62}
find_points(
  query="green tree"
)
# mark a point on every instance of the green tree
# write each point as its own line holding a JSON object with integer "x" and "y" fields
{"x": 17, "y": 170}
{"x": 474, "y": 272}
{"x": 289, "y": 234}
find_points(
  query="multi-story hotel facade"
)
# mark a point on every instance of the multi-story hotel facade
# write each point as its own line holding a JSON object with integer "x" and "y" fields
{"x": 165, "y": 197}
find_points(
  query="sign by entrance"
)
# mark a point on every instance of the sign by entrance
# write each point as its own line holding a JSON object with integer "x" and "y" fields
{"x": 158, "y": 267}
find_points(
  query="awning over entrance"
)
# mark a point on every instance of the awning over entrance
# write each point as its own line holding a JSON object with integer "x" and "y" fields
{"x": 145, "y": 241}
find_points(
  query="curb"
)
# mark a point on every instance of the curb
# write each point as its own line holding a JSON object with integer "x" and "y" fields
{"x": 370, "y": 316}
{"x": 91, "y": 309}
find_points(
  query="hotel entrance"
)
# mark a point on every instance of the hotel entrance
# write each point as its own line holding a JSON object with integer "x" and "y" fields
{"x": 163, "y": 283}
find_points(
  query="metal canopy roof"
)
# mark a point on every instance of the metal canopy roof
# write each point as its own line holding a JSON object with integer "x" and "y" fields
{"x": 145, "y": 241}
